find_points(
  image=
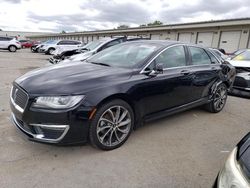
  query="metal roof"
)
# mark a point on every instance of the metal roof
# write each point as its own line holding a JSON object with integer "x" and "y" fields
{"x": 190, "y": 25}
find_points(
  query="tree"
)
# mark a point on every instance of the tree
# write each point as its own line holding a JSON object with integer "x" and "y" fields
{"x": 155, "y": 23}
{"x": 63, "y": 32}
{"x": 123, "y": 27}
{"x": 1, "y": 29}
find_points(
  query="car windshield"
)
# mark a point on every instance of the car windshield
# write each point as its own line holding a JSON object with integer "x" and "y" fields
{"x": 124, "y": 55}
{"x": 92, "y": 45}
{"x": 244, "y": 56}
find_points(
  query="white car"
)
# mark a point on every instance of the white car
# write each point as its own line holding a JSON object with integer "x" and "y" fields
{"x": 219, "y": 53}
{"x": 52, "y": 45}
{"x": 95, "y": 47}
{"x": 241, "y": 62}
{"x": 9, "y": 43}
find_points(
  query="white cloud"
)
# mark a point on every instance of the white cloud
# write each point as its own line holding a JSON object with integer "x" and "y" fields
{"x": 78, "y": 15}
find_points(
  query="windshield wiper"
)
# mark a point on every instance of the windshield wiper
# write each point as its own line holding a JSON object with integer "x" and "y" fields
{"x": 96, "y": 63}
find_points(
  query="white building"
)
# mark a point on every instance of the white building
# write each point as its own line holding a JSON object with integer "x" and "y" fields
{"x": 231, "y": 34}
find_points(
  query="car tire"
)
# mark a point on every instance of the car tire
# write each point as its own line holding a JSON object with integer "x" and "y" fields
{"x": 111, "y": 125}
{"x": 219, "y": 99}
{"x": 50, "y": 50}
{"x": 12, "y": 48}
{"x": 32, "y": 49}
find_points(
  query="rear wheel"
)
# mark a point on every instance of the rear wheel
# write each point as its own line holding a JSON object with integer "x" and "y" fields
{"x": 219, "y": 99}
{"x": 111, "y": 125}
{"x": 12, "y": 48}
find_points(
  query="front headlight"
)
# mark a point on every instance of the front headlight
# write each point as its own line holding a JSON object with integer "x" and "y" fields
{"x": 57, "y": 102}
{"x": 231, "y": 176}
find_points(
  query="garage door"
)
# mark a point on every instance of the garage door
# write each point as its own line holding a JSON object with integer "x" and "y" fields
{"x": 155, "y": 36}
{"x": 229, "y": 40}
{"x": 205, "y": 39}
{"x": 95, "y": 38}
{"x": 184, "y": 37}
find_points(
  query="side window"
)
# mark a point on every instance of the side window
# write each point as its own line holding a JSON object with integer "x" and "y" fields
{"x": 63, "y": 42}
{"x": 76, "y": 42}
{"x": 4, "y": 39}
{"x": 213, "y": 59}
{"x": 172, "y": 57}
{"x": 199, "y": 56}
{"x": 112, "y": 43}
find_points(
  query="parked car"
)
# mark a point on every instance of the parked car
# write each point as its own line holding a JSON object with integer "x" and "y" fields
{"x": 26, "y": 43}
{"x": 89, "y": 49}
{"x": 241, "y": 62}
{"x": 236, "y": 171}
{"x": 97, "y": 46}
{"x": 101, "y": 44}
{"x": 35, "y": 48}
{"x": 49, "y": 47}
{"x": 104, "y": 98}
{"x": 219, "y": 52}
{"x": 9, "y": 43}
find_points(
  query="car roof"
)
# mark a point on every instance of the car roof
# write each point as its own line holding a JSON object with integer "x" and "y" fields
{"x": 163, "y": 43}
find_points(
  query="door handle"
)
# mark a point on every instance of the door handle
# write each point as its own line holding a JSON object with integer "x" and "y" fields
{"x": 185, "y": 72}
{"x": 213, "y": 68}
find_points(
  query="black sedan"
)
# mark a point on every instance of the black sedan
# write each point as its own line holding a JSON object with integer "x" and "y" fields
{"x": 104, "y": 98}
{"x": 236, "y": 171}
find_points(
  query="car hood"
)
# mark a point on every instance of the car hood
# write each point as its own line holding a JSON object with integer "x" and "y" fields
{"x": 82, "y": 56}
{"x": 71, "y": 78}
{"x": 237, "y": 63}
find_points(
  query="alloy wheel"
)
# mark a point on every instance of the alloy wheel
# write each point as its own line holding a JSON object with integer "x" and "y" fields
{"x": 220, "y": 98}
{"x": 114, "y": 126}
{"x": 12, "y": 48}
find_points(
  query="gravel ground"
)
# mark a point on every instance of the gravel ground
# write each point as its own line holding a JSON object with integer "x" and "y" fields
{"x": 183, "y": 150}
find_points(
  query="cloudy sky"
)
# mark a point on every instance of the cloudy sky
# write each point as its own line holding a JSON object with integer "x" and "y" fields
{"x": 83, "y": 15}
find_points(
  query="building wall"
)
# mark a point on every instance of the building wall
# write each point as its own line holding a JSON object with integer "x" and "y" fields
{"x": 231, "y": 35}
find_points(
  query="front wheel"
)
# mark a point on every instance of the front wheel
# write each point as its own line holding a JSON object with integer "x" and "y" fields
{"x": 219, "y": 99}
{"x": 111, "y": 125}
{"x": 12, "y": 48}
{"x": 50, "y": 51}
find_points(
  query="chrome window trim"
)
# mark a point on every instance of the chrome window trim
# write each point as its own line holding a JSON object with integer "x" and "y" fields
{"x": 168, "y": 47}
{"x": 187, "y": 66}
{"x": 41, "y": 136}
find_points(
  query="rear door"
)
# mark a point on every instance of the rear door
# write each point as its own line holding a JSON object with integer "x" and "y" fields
{"x": 205, "y": 68}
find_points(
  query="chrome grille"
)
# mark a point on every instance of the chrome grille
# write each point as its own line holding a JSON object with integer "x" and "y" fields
{"x": 19, "y": 98}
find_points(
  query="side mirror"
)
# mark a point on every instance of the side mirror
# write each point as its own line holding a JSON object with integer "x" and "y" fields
{"x": 159, "y": 68}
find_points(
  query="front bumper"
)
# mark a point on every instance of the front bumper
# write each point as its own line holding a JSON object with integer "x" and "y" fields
{"x": 232, "y": 175}
{"x": 58, "y": 127}
{"x": 41, "y": 132}
{"x": 241, "y": 86}
{"x": 54, "y": 60}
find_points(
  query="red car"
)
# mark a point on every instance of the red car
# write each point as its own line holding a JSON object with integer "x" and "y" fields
{"x": 27, "y": 43}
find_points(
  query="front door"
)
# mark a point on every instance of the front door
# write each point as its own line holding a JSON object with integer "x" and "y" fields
{"x": 169, "y": 89}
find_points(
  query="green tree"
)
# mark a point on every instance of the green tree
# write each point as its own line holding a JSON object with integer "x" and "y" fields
{"x": 155, "y": 23}
{"x": 63, "y": 32}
